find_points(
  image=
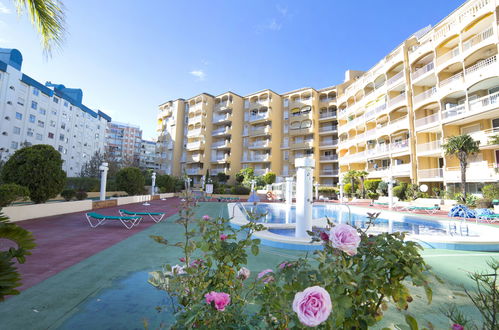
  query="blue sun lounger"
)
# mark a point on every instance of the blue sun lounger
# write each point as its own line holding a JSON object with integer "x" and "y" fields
{"x": 155, "y": 216}
{"x": 96, "y": 219}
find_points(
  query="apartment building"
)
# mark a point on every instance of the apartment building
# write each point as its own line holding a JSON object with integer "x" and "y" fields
{"x": 442, "y": 81}
{"x": 148, "y": 158}
{"x": 34, "y": 113}
{"x": 123, "y": 143}
{"x": 390, "y": 121}
{"x": 170, "y": 142}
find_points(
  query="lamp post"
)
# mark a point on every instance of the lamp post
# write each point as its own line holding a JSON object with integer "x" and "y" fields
{"x": 103, "y": 180}
{"x": 153, "y": 185}
{"x": 341, "y": 188}
{"x": 304, "y": 193}
{"x": 289, "y": 191}
{"x": 316, "y": 186}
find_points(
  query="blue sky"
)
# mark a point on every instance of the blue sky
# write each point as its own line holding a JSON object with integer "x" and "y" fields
{"x": 130, "y": 56}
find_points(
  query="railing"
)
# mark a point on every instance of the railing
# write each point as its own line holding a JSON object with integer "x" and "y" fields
{"x": 259, "y": 116}
{"x": 259, "y": 144}
{"x": 194, "y": 132}
{"x": 454, "y": 111}
{"x": 434, "y": 118}
{"x": 447, "y": 56}
{"x": 429, "y": 146}
{"x": 481, "y": 36}
{"x": 395, "y": 78}
{"x": 327, "y": 114}
{"x": 256, "y": 158}
{"x": 328, "y": 142}
{"x": 396, "y": 99}
{"x": 220, "y": 159}
{"x": 457, "y": 76}
{"x": 329, "y": 172}
{"x": 195, "y": 119}
{"x": 220, "y": 144}
{"x": 263, "y": 130}
{"x": 220, "y": 131}
{"x": 481, "y": 64}
{"x": 215, "y": 171}
{"x": 192, "y": 145}
{"x": 260, "y": 171}
{"x": 421, "y": 71}
{"x": 425, "y": 95}
{"x": 195, "y": 158}
{"x": 431, "y": 173}
{"x": 484, "y": 135}
{"x": 330, "y": 157}
{"x": 193, "y": 171}
{"x": 380, "y": 84}
{"x": 476, "y": 171}
{"x": 399, "y": 145}
{"x": 221, "y": 118}
{"x": 328, "y": 128}
{"x": 484, "y": 102}
{"x": 327, "y": 99}
{"x": 401, "y": 169}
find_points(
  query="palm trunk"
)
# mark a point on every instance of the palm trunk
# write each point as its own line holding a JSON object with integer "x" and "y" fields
{"x": 352, "y": 191}
{"x": 363, "y": 189}
{"x": 464, "y": 164}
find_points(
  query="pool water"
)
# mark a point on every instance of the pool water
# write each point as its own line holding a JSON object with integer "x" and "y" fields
{"x": 281, "y": 214}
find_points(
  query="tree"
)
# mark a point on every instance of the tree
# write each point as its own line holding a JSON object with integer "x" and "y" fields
{"x": 131, "y": 180}
{"x": 47, "y": 16}
{"x": 11, "y": 192}
{"x": 91, "y": 168}
{"x": 461, "y": 146}
{"x": 362, "y": 176}
{"x": 269, "y": 177}
{"x": 25, "y": 242}
{"x": 38, "y": 168}
{"x": 223, "y": 178}
{"x": 351, "y": 178}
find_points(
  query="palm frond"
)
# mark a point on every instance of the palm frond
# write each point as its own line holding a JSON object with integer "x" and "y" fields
{"x": 48, "y": 18}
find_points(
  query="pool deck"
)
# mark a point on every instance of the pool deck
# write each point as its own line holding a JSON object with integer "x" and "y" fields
{"x": 74, "y": 266}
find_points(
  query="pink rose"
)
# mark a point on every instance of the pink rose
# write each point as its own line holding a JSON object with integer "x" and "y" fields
{"x": 313, "y": 306}
{"x": 346, "y": 238}
{"x": 263, "y": 274}
{"x": 456, "y": 326}
{"x": 181, "y": 259}
{"x": 223, "y": 237}
{"x": 324, "y": 236}
{"x": 197, "y": 263}
{"x": 243, "y": 273}
{"x": 221, "y": 299}
{"x": 283, "y": 265}
{"x": 178, "y": 270}
{"x": 206, "y": 217}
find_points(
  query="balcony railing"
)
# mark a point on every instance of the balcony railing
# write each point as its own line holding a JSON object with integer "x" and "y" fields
{"x": 447, "y": 56}
{"x": 401, "y": 169}
{"x": 476, "y": 172}
{"x": 220, "y": 144}
{"x": 329, "y": 157}
{"x": 217, "y": 119}
{"x": 195, "y": 119}
{"x": 395, "y": 78}
{"x": 220, "y": 131}
{"x": 431, "y": 173}
{"x": 327, "y": 99}
{"x": 257, "y": 158}
{"x": 260, "y": 171}
{"x": 485, "y": 34}
{"x": 215, "y": 171}
{"x": 399, "y": 145}
{"x": 421, "y": 71}
{"x": 193, "y": 171}
{"x": 328, "y": 128}
{"x": 329, "y": 172}
{"x": 433, "y": 146}
{"x": 260, "y": 144}
{"x": 425, "y": 95}
{"x": 434, "y": 118}
{"x": 194, "y": 145}
{"x": 259, "y": 116}
{"x": 222, "y": 158}
{"x": 397, "y": 99}
{"x": 328, "y": 142}
{"x": 194, "y": 132}
{"x": 258, "y": 131}
{"x": 457, "y": 77}
{"x": 484, "y": 103}
{"x": 327, "y": 114}
{"x": 481, "y": 65}
{"x": 484, "y": 136}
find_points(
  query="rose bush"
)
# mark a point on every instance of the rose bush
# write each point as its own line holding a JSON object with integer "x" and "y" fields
{"x": 312, "y": 306}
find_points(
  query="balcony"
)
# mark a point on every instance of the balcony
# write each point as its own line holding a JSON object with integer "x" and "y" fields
{"x": 259, "y": 116}
{"x": 328, "y": 115}
{"x": 221, "y": 131}
{"x": 328, "y": 172}
{"x": 476, "y": 172}
{"x": 222, "y": 106}
{"x": 423, "y": 71}
{"x": 301, "y": 131}
{"x": 302, "y": 144}
{"x": 194, "y": 132}
{"x": 399, "y": 99}
{"x": 215, "y": 171}
{"x": 220, "y": 144}
{"x": 195, "y": 119}
{"x": 430, "y": 120}
{"x": 220, "y": 158}
{"x": 479, "y": 68}
{"x": 484, "y": 103}
{"x": 484, "y": 136}
{"x": 259, "y": 144}
{"x": 379, "y": 172}
{"x": 429, "y": 148}
{"x": 478, "y": 38}
{"x": 454, "y": 111}
{"x": 399, "y": 146}
{"x": 221, "y": 119}
{"x": 425, "y": 95}
{"x": 401, "y": 170}
{"x": 196, "y": 158}
{"x": 328, "y": 129}
{"x": 259, "y": 131}
{"x": 329, "y": 158}
{"x": 260, "y": 171}
{"x": 195, "y": 145}
{"x": 431, "y": 174}
{"x": 194, "y": 171}
{"x": 395, "y": 79}
{"x": 328, "y": 143}
{"x": 378, "y": 151}
{"x": 327, "y": 100}
{"x": 257, "y": 158}
{"x": 458, "y": 77}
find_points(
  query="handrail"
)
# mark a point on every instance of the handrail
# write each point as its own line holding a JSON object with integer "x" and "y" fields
{"x": 349, "y": 212}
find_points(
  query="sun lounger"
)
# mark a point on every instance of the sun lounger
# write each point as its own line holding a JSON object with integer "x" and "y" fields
{"x": 428, "y": 209}
{"x": 155, "y": 216}
{"x": 96, "y": 219}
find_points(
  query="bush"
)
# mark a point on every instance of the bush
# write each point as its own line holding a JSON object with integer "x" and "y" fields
{"x": 372, "y": 195}
{"x": 11, "y": 192}
{"x": 239, "y": 178}
{"x": 399, "y": 191}
{"x": 371, "y": 185}
{"x": 382, "y": 188}
{"x": 269, "y": 177}
{"x": 81, "y": 195}
{"x": 240, "y": 190}
{"x": 131, "y": 180}
{"x": 491, "y": 191}
{"x": 222, "y": 177}
{"x": 68, "y": 194}
{"x": 165, "y": 183}
{"x": 348, "y": 189}
{"x": 85, "y": 184}
{"x": 484, "y": 203}
{"x": 38, "y": 168}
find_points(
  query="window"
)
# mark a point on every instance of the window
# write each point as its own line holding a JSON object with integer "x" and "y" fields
{"x": 17, "y": 130}
{"x": 14, "y": 145}
{"x": 55, "y": 99}
{"x": 36, "y": 92}
{"x": 60, "y": 148}
{"x": 66, "y": 104}
{"x": 19, "y": 115}
{"x": 20, "y": 101}
{"x": 61, "y": 137}
{"x": 51, "y": 135}
{"x": 32, "y": 118}
{"x": 34, "y": 105}
{"x": 39, "y": 136}
{"x": 63, "y": 125}
{"x": 41, "y": 123}
{"x": 29, "y": 132}
{"x": 42, "y": 111}
{"x": 52, "y": 123}
{"x": 54, "y": 112}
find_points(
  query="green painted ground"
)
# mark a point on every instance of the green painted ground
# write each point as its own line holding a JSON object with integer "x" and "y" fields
{"x": 60, "y": 299}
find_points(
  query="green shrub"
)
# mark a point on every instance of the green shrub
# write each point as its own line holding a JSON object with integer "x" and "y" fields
{"x": 131, "y": 180}
{"x": 484, "y": 203}
{"x": 491, "y": 191}
{"x": 11, "y": 192}
{"x": 81, "y": 195}
{"x": 68, "y": 194}
{"x": 382, "y": 188}
{"x": 348, "y": 189}
{"x": 327, "y": 190}
{"x": 38, "y": 168}
{"x": 85, "y": 184}
{"x": 371, "y": 185}
{"x": 372, "y": 195}
{"x": 240, "y": 190}
{"x": 165, "y": 183}
{"x": 222, "y": 177}
{"x": 239, "y": 178}
{"x": 400, "y": 191}
{"x": 269, "y": 178}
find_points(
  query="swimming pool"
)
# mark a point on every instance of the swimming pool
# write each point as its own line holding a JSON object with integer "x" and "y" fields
{"x": 429, "y": 231}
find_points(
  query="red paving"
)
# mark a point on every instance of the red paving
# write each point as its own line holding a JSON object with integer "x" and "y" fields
{"x": 67, "y": 239}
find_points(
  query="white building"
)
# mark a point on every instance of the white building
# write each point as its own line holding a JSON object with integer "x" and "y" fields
{"x": 33, "y": 113}
{"x": 148, "y": 158}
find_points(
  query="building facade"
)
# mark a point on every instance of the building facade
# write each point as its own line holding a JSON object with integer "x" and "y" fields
{"x": 33, "y": 113}
{"x": 148, "y": 159}
{"x": 390, "y": 121}
{"x": 123, "y": 143}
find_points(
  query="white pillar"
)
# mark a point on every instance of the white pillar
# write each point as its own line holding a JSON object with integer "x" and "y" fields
{"x": 390, "y": 192}
{"x": 304, "y": 193}
{"x": 103, "y": 180}
{"x": 289, "y": 191}
{"x": 341, "y": 192}
{"x": 153, "y": 185}
{"x": 316, "y": 186}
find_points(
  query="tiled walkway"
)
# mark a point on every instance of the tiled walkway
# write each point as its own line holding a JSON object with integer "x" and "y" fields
{"x": 67, "y": 239}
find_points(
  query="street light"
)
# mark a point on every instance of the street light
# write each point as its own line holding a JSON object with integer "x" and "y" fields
{"x": 103, "y": 180}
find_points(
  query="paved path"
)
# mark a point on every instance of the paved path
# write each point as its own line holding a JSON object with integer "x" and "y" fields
{"x": 67, "y": 239}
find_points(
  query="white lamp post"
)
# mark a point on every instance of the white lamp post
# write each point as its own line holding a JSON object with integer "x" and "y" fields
{"x": 390, "y": 192}
{"x": 316, "y": 186}
{"x": 153, "y": 185}
{"x": 304, "y": 193}
{"x": 341, "y": 188}
{"x": 289, "y": 191}
{"x": 103, "y": 180}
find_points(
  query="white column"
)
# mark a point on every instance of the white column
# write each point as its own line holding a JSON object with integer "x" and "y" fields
{"x": 390, "y": 192}
{"x": 103, "y": 180}
{"x": 304, "y": 193}
{"x": 289, "y": 191}
{"x": 153, "y": 185}
{"x": 316, "y": 186}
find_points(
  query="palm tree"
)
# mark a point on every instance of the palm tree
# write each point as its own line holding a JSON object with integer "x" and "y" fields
{"x": 362, "y": 176}
{"x": 48, "y": 18}
{"x": 351, "y": 176}
{"x": 461, "y": 146}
